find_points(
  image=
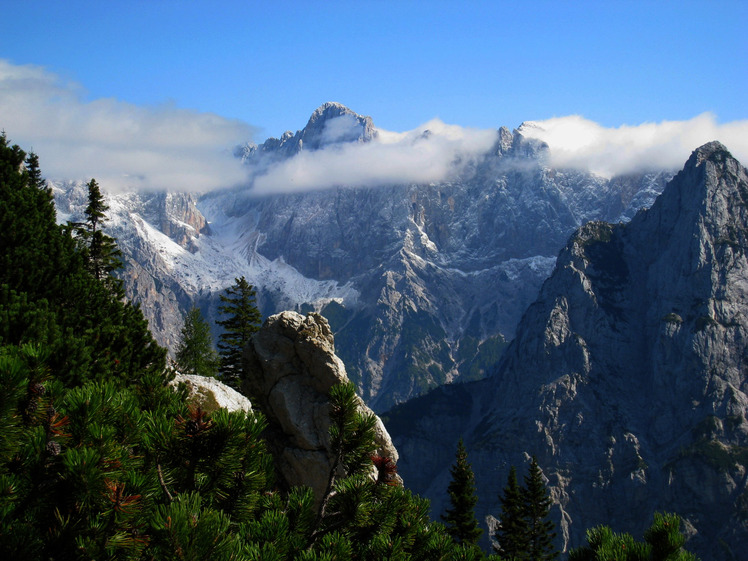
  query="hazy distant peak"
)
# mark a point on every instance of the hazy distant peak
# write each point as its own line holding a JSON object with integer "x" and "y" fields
{"x": 333, "y": 123}
{"x": 329, "y": 110}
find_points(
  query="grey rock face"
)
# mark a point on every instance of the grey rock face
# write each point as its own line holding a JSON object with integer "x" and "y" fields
{"x": 331, "y": 123}
{"x": 292, "y": 367}
{"x": 627, "y": 378}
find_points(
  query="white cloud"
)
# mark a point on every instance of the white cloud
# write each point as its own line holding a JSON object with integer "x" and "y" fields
{"x": 125, "y": 146}
{"x": 576, "y": 142}
{"x": 341, "y": 128}
{"x": 415, "y": 156}
{"x": 122, "y": 145}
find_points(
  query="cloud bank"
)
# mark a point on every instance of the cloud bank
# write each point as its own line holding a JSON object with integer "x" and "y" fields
{"x": 433, "y": 152}
{"x": 576, "y": 142}
{"x": 128, "y": 147}
{"x": 123, "y": 146}
{"x": 436, "y": 152}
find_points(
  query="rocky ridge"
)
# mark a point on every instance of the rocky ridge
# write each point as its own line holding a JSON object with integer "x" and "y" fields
{"x": 331, "y": 123}
{"x": 627, "y": 378}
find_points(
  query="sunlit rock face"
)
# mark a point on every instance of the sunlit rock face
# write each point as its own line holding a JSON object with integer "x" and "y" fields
{"x": 422, "y": 283}
{"x": 627, "y": 378}
{"x": 210, "y": 394}
{"x": 291, "y": 367}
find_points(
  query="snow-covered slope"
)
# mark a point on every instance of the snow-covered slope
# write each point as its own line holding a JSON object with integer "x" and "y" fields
{"x": 199, "y": 259}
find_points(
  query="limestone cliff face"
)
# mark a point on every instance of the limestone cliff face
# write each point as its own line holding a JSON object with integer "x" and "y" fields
{"x": 628, "y": 378}
{"x": 292, "y": 366}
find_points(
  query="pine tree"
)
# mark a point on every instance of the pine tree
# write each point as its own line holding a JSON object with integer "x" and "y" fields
{"x": 512, "y": 534}
{"x": 103, "y": 254}
{"x": 48, "y": 294}
{"x": 242, "y": 320}
{"x": 195, "y": 352}
{"x": 351, "y": 444}
{"x": 460, "y": 518}
{"x": 537, "y": 505}
{"x": 34, "y": 172}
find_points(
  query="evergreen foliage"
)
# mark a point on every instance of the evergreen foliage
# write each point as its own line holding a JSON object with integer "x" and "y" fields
{"x": 195, "y": 353}
{"x": 242, "y": 320}
{"x": 100, "y": 250}
{"x": 460, "y": 517}
{"x": 663, "y": 541}
{"x": 512, "y": 534}
{"x": 537, "y": 505}
{"x": 362, "y": 516}
{"x": 49, "y": 295}
{"x": 525, "y": 532}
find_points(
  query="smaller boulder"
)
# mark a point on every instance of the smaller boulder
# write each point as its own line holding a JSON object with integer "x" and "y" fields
{"x": 210, "y": 394}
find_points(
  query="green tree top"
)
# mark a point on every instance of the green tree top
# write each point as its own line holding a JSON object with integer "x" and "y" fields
{"x": 512, "y": 535}
{"x": 663, "y": 541}
{"x": 460, "y": 518}
{"x": 242, "y": 320}
{"x": 537, "y": 505}
{"x": 96, "y": 210}
{"x": 195, "y": 352}
{"x": 103, "y": 254}
{"x": 34, "y": 172}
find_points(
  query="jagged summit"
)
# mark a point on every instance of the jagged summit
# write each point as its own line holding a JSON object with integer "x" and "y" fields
{"x": 330, "y": 110}
{"x": 333, "y": 123}
{"x": 330, "y": 124}
{"x": 707, "y": 151}
{"x": 712, "y": 155}
{"x": 706, "y": 200}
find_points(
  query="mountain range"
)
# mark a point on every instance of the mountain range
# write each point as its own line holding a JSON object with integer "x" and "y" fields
{"x": 423, "y": 283}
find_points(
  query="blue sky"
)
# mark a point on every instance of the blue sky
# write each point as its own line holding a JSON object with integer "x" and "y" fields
{"x": 268, "y": 65}
{"x": 480, "y": 64}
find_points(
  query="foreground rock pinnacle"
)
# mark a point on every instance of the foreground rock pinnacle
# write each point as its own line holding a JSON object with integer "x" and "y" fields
{"x": 292, "y": 365}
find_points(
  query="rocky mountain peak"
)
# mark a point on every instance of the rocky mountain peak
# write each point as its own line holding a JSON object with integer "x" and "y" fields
{"x": 331, "y": 123}
{"x": 334, "y": 123}
{"x": 627, "y": 377}
{"x": 330, "y": 110}
{"x": 517, "y": 145}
